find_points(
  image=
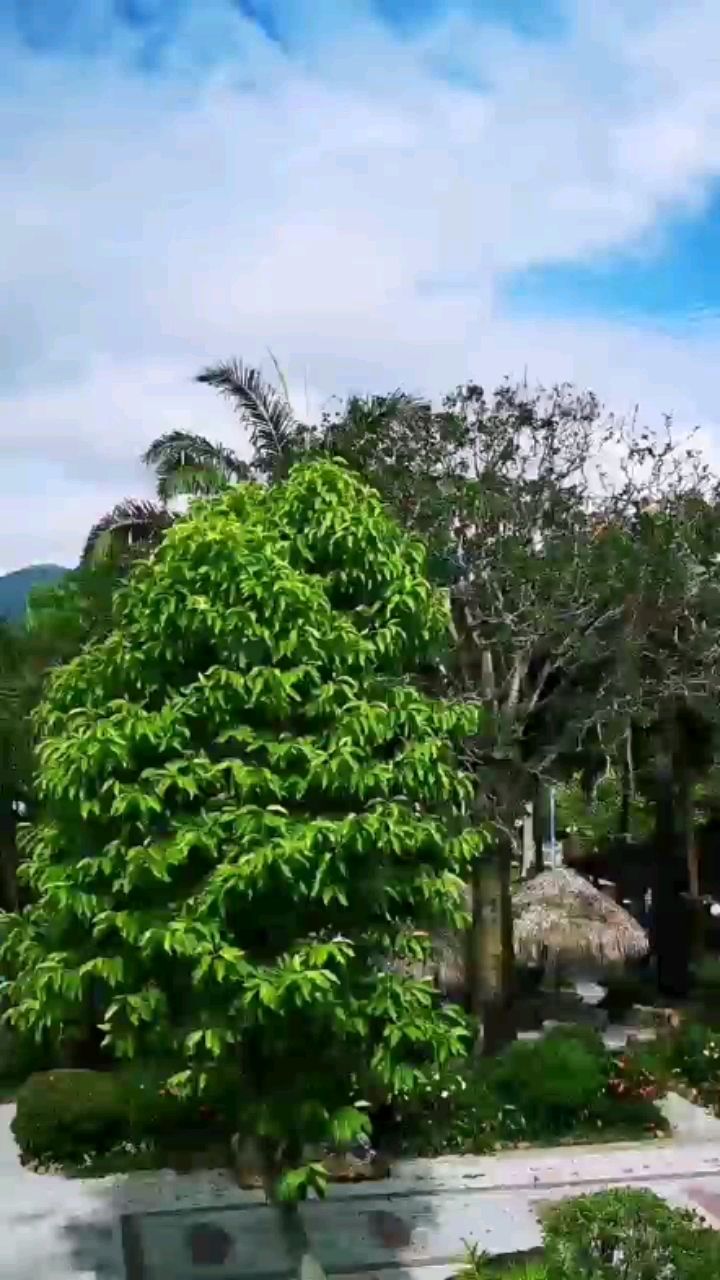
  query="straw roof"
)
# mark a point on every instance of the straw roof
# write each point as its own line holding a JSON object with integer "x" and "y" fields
{"x": 560, "y": 916}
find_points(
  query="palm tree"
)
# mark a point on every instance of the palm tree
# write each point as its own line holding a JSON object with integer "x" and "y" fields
{"x": 132, "y": 527}
{"x": 190, "y": 465}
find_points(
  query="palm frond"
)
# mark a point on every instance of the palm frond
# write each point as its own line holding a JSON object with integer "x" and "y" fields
{"x": 267, "y": 413}
{"x": 281, "y": 376}
{"x": 188, "y": 464}
{"x": 131, "y": 525}
{"x": 190, "y": 482}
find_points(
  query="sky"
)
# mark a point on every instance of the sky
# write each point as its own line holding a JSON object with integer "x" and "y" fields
{"x": 383, "y": 192}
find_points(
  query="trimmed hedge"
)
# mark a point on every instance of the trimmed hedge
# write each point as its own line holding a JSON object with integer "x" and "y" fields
{"x": 62, "y": 1116}
{"x": 70, "y": 1117}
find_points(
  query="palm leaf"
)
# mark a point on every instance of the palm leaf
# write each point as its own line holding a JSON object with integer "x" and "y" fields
{"x": 281, "y": 376}
{"x": 190, "y": 464}
{"x": 133, "y": 524}
{"x": 267, "y": 413}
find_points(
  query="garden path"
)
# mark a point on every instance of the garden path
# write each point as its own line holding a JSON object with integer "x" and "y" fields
{"x": 198, "y": 1226}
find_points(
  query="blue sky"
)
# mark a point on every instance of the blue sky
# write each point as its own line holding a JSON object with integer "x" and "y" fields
{"x": 383, "y": 191}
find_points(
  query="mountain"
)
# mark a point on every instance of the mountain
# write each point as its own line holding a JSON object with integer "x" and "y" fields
{"x": 15, "y": 587}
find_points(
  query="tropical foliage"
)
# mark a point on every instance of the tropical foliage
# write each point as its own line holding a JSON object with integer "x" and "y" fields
{"x": 248, "y": 809}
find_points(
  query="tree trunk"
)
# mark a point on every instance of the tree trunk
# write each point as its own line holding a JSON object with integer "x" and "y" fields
{"x": 670, "y": 929}
{"x": 626, "y": 787}
{"x": 539, "y": 825}
{"x": 9, "y": 896}
{"x": 687, "y": 848}
{"x": 491, "y": 948}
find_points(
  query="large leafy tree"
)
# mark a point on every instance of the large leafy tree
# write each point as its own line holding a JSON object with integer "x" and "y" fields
{"x": 250, "y": 812}
{"x": 544, "y": 556}
{"x": 496, "y": 484}
{"x": 670, "y": 668}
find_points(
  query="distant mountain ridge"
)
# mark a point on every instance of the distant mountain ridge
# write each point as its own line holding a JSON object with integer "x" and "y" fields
{"x": 15, "y": 587}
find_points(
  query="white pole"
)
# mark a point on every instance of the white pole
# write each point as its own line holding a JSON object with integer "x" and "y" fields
{"x": 553, "y": 848}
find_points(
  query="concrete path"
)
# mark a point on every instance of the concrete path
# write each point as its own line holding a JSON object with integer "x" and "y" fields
{"x": 410, "y": 1227}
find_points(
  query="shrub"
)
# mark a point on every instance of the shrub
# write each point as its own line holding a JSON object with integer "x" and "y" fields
{"x": 695, "y": 1055}
{"x": 633, "y": 1081}
{"x": 622, "y": 991}
{"x": 555, "y": 1081}
{"x": 170, "y": 1121}
{"x": 588, "y": 1037}
{"x": 632, "y": 1234}
{"x": 62, "y": 1116}
{"x": 707, "y": 981}
{"x": 457, "y": 1112}
{"x": 66, "y": 1117}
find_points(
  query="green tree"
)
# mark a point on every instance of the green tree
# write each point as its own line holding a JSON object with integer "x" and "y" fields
{"x": 60, "y": 619}
{"x": 582, "y": 601}
{"x": 670, "y": 669}
{"x": 498, "y": 487}
{"x": 251, "y": 813}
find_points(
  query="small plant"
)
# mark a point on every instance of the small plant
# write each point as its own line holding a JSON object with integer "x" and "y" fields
{"x": 632, "y": 1081}
{"x": 478, "y": 1266}
{"x": 630, "y": 1234}
{"x": 475, "y": 1264}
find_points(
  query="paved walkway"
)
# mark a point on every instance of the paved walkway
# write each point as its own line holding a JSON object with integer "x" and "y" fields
{"x": 410, "y": 1227}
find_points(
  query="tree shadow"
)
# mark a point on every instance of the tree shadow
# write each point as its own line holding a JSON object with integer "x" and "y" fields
{"x": 358, "y": 1230}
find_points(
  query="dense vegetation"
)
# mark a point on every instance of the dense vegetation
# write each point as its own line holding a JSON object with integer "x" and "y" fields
{"x": 249, "y": 814}
{"x": 263, "y": 746}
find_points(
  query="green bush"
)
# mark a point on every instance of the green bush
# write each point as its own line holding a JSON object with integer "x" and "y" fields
{"x": 564, "y": 1086}
{"x": 694, "y": 1053}
{"x": 588, "y": 1037}
{"x": 633, "y": 1234}
{"x": 458, "y": 1113}
{"x": 64, "y": 1116}
{"x": 622, "y": 991}
{"x": 68, "y": 1117}
{"x": 707, "y": 981}
{"x": 554, "y": 1081}
{"x": 157, "y": 1116}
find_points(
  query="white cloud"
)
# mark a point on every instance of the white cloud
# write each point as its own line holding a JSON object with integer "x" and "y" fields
{"x": 354, "y": 212}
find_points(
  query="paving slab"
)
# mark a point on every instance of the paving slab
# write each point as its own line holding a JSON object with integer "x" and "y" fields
{"x": 688, "y": 1121}
{"x": 412, "y": 1226}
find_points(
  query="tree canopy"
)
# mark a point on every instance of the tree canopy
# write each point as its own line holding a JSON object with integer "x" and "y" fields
{"x": 249, "y": 809}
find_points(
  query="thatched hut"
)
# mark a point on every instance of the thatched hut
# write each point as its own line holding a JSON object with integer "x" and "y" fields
{"x": 561, "y": 919}
{"x": 561, "y": 922}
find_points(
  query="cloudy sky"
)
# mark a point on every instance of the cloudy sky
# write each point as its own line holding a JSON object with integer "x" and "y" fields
{"x": 383, "y": 191}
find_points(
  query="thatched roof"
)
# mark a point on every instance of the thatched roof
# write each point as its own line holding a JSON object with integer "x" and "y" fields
{"x": 559, "y": 915}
